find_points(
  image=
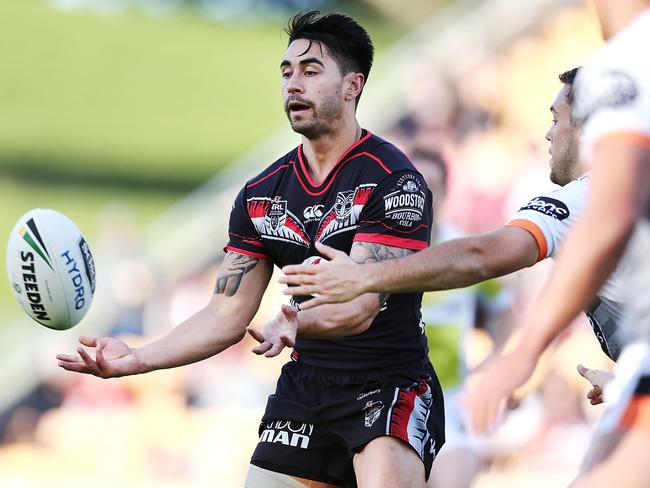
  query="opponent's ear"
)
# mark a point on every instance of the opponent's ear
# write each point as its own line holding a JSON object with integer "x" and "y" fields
{"x": 354, "y": 83}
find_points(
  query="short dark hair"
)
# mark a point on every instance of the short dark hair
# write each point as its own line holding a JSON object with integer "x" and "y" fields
{"x": 568, "y": 77}
{"x": 346, "y": 41}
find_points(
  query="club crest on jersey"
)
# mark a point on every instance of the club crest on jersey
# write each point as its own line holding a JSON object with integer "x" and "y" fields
{"x": 373, "y": 410}
{"x": 344, "y": 214}
{"x": 343, "y": 205}
{"x": 276, "y": 215}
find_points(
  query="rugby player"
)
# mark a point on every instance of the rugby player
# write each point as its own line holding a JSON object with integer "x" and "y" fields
{"x": 359, "y": 404}
{"x": 534, "y": 233}
{"x": 612, "y": 100}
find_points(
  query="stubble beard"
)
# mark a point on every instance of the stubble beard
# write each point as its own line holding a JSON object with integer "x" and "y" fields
{"x": 322, "y": 120}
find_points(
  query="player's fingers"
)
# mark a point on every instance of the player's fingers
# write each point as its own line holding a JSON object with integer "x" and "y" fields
{"x": 262, "y": 348}
{"x": 289, "y": 312}
{"x": 76, "y": 367}
{"x": 67, "y": 357}
{"x": 293, "y": 269}
{"x": 255, "y": 335}
{"x": 589, "y": 374}
{"x": 88, "y": 341}
{"x": 102, "y": 364}
{"x": 329, "y": 252}
{"x": 313, "y": 302}
{"x": 275, "y": 350}
{"x": 300, "y": 290}
{"x": 90, "y": 363}
{"x": 296, "y": 279}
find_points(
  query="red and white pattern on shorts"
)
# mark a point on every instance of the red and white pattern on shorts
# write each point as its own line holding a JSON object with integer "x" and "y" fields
{"x": 408, "y": 416}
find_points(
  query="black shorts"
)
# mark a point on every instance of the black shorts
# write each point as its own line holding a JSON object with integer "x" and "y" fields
{"x": 319, "y": 418}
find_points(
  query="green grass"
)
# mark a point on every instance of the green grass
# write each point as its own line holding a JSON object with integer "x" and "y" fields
{"x": 133, "y": 97}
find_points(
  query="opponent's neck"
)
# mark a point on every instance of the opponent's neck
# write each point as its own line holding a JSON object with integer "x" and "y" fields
{"x": 323, "y": 153}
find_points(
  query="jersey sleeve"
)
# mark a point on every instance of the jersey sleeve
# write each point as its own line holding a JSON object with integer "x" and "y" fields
{"x": 398, "y": 213}
{"x": 612, "y": 100}
{"x": 243, "y": 238}
{"x": 547, "y": 218}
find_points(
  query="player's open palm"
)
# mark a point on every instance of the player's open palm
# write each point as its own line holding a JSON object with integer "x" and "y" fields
{"x": 113, "y": 358}
{"x": 334, "y": 281}
{"x": 277, "y": 334}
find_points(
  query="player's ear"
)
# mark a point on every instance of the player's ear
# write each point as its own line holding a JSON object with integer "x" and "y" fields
{"x": 353, "y": 83}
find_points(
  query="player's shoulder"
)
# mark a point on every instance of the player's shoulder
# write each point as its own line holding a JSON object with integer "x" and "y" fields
{"x": 387, "y": 154}
{"x": 274, "y": 171}
{"x": 560, "y": 203}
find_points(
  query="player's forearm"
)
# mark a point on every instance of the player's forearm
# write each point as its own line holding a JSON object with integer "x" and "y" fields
{"x": 452, "y": 264}
{"x": 339, "y": 320}
{"x": 206, "y": 333}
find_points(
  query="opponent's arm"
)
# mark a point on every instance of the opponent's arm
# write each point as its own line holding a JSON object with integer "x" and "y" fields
{"x": 355, "y": 316}
{"x": 618, "y": 196}
{"x": 451, "y": 264}
{"x": 328, "y": 321}
{"x": 240, "y": 284}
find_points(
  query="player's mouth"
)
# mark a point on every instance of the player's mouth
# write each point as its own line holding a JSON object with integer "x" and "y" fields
{"x": 297, "y": 108}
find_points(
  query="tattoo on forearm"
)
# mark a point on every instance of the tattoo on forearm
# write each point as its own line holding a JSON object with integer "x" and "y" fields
{"x": 233, "y": 269}
{"x": 368, "y": 252}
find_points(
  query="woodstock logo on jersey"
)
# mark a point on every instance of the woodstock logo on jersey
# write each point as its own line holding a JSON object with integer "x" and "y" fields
{"x": 273, "y": 220}
{"x": 344, "y": 214}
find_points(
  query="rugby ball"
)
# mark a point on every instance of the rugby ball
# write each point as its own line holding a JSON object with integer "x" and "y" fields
{"x": 51, "y": 269}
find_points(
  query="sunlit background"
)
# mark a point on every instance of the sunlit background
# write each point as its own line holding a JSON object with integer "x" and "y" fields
{"x": 140, "y": 120}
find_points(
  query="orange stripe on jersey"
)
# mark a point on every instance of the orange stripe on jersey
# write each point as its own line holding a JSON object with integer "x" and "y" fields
{"x": 627, "y": 136}
{"x": 535, "y": 231}
{"x": 637, "y": 414}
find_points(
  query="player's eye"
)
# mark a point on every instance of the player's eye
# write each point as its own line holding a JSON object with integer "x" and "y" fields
{"x": 286, "y": 74}
{"x": 310, "y": 72}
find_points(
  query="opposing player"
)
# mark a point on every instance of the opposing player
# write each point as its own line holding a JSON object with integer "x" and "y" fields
{"x": 360, "y": 404}
{"x": 613, "y": 101}
{"x": 534, "y": 233}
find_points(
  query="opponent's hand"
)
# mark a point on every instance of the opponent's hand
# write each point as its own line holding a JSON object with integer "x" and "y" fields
{"x": 277, "y": 334}
{"x": 598, "y": 380}
{"x": 338, "y": 280}
{"x": 113, "y": 358}
{"x": 489, "y": 390}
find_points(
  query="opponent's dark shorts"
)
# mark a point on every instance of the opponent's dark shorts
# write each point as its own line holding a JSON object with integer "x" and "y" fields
{"x": 319, "y": 418}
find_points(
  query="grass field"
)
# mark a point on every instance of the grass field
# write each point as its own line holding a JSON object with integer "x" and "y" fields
{"x": 134, "y": 98}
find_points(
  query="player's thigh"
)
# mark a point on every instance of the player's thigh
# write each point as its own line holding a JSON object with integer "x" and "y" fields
{"x": 627, "y": 466}
{"x": 388, "y": 462}
{"x": 263, "y": 478}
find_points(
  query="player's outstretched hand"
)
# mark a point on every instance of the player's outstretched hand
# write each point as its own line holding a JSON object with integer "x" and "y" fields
{"x": 277, "y": 334}
{"x": 488, "y": 390}
{"x": 598, "y": 380}
{"x": 338, "y": 280}
{"x": 113, "y": 358}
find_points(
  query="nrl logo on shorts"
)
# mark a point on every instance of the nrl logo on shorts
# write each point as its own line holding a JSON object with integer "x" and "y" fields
{"x": 373, "y": 410}
{"x": 276, "y": 215}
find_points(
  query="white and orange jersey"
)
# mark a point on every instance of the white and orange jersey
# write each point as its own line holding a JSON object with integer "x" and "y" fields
{"x": 612, "y": 91}
{"x": 612, "y": 99}
{"x": 549, "y": 218}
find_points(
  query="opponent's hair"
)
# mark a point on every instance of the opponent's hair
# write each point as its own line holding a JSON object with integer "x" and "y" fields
{"x": 568, "y": 77}
{"x": 345, "y": 40}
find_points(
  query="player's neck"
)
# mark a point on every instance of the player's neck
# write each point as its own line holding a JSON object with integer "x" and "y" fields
{"x": 323, "y": 153}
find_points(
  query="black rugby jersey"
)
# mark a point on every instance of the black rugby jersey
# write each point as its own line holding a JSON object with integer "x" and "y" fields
{"x": 373, "y": 194}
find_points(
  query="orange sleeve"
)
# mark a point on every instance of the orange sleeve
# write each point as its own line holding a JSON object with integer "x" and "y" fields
{"x": 637, "y": 414}
{"x": 535, "y": 231}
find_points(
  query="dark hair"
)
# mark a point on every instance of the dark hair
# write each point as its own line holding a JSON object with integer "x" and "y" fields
{"x": 346, "y": 41}
{"x": 568, "y": 77}
{"x": 434, "y": 158}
